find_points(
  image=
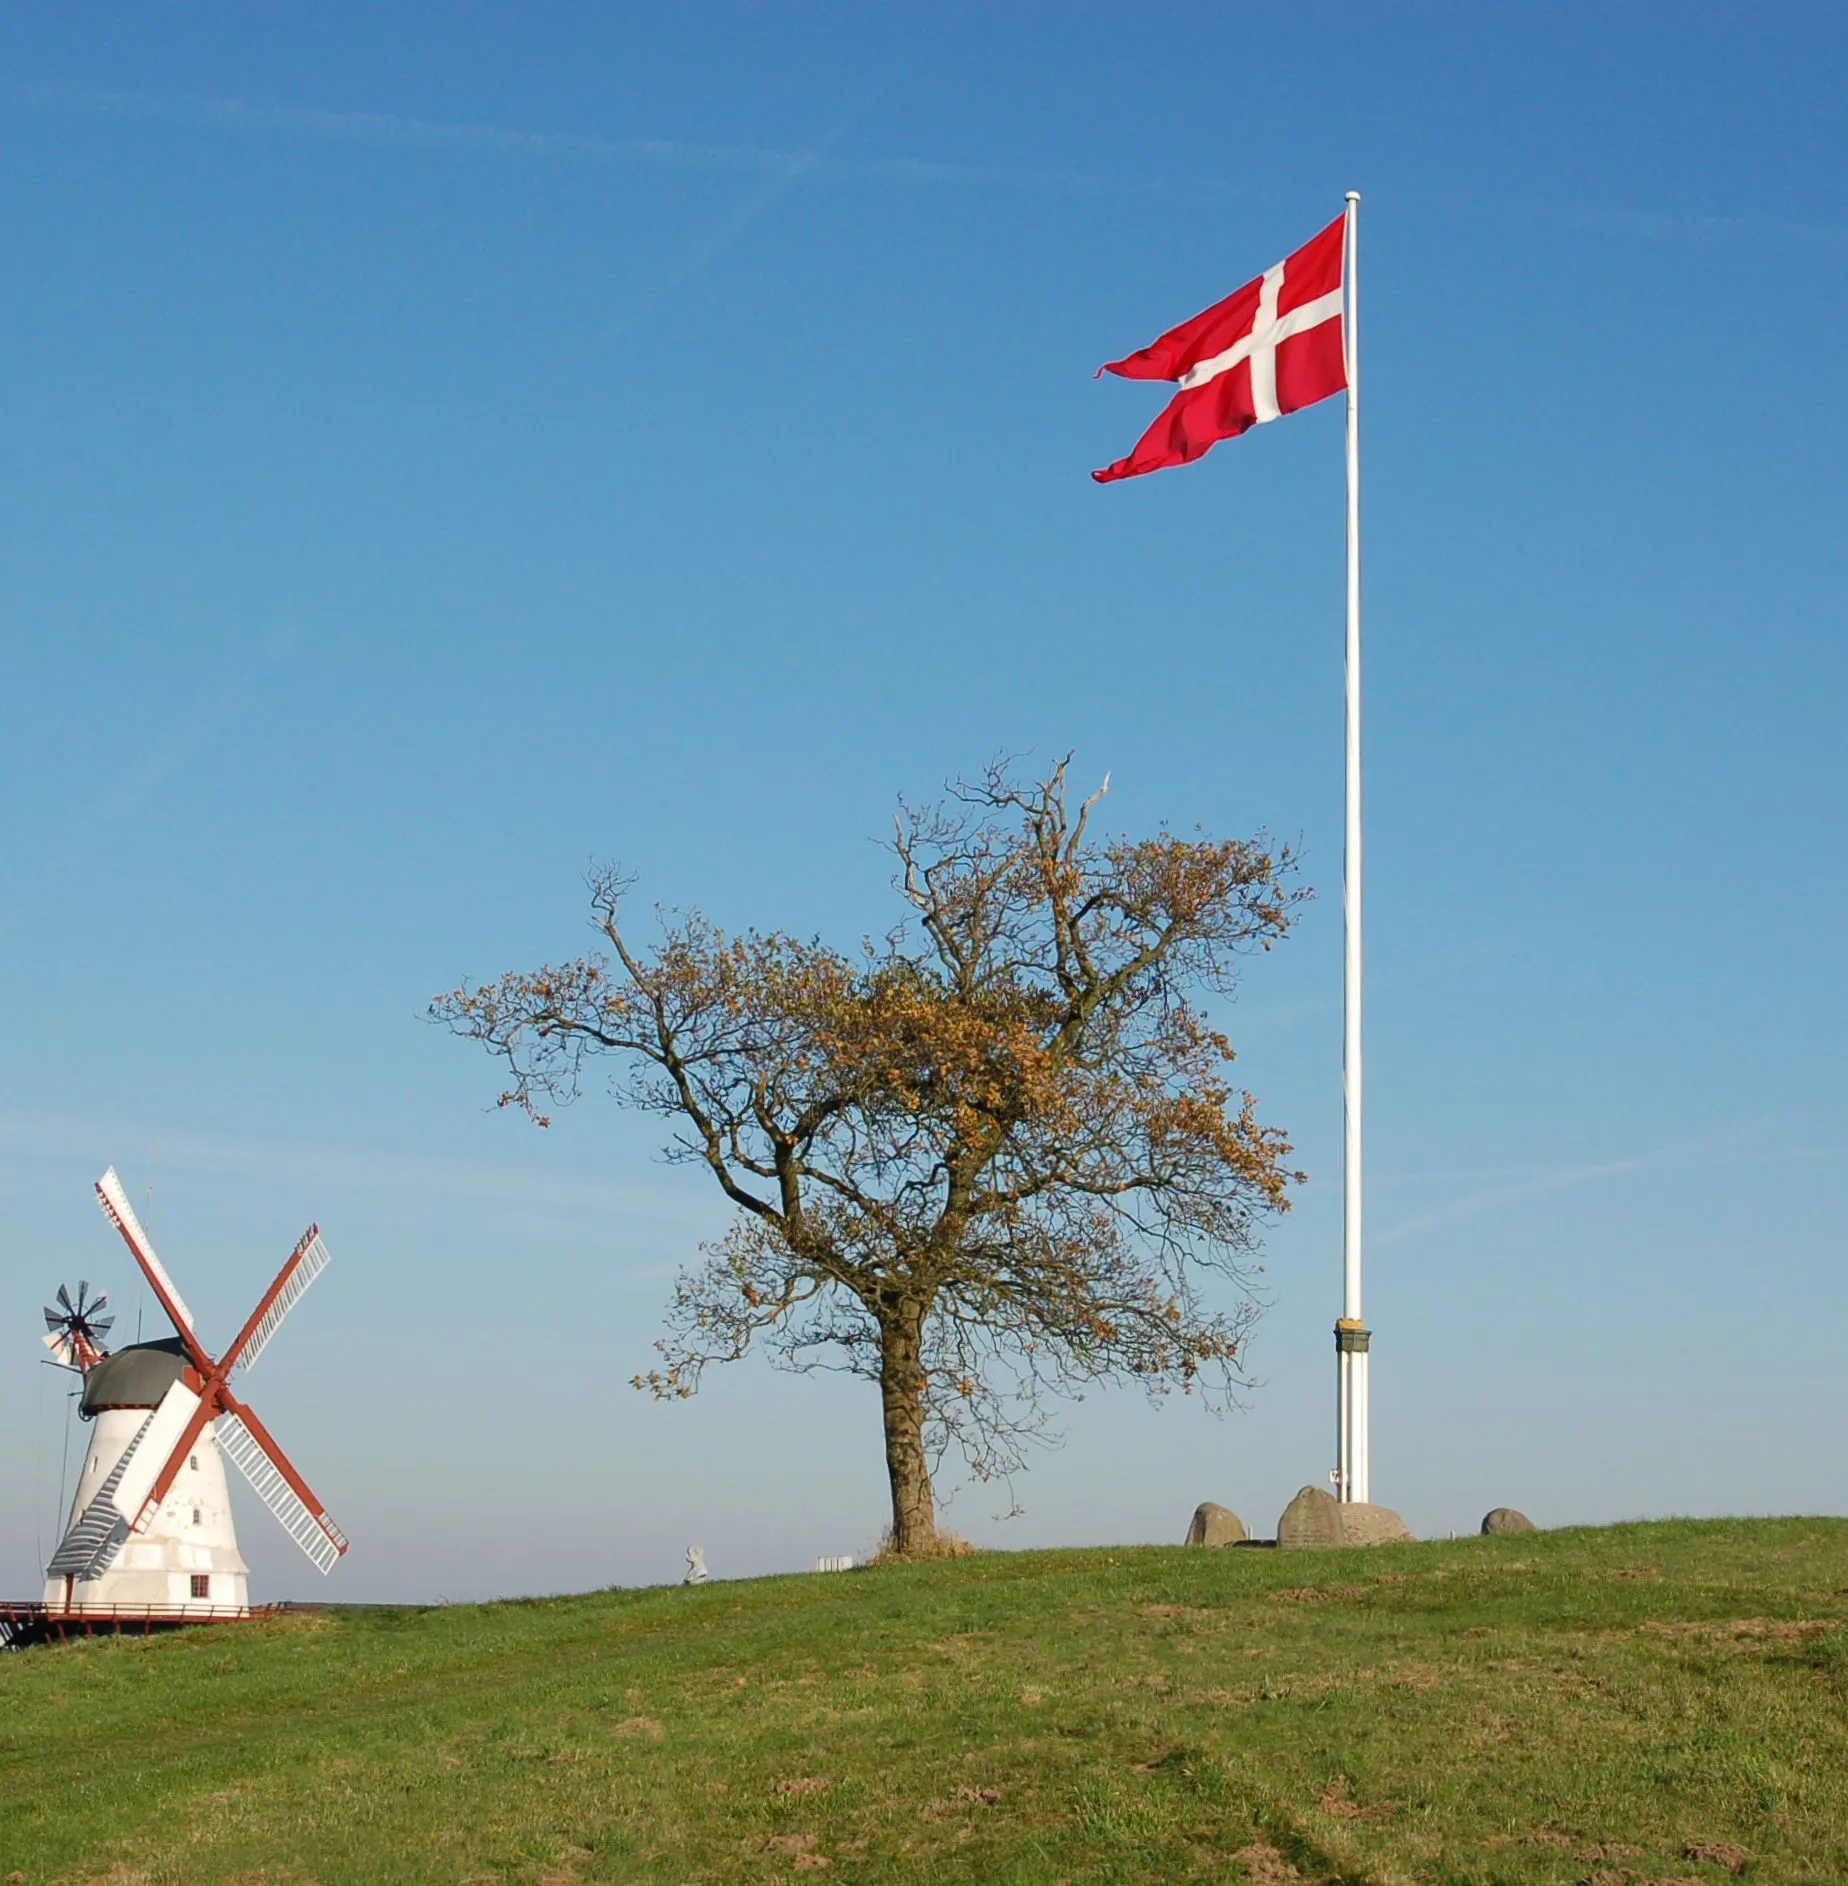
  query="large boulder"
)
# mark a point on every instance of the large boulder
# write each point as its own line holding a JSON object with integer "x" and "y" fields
{"x": 1506, "y": 1519}
{"x": 1312, "y": 1519}
{"x": 1215, "y": 1525}
{"x": 1317, "y": 1520}
{"x": 1366, "y": 1524}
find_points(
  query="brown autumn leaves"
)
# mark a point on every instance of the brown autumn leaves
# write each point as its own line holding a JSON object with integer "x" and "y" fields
{"x": 995, "y": 1158}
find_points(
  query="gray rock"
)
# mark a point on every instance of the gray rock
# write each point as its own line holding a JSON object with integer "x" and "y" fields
{"x": 1506, "y": 1519}
{"x": 1374, "y": 1525}
{"x": 1312, "y": 1519}
{"x": 1215, "y": 1525}
{"x": 1318, "y": 1520}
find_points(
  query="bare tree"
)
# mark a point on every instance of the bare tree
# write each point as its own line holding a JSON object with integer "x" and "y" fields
{"x": 996, "y": 1157}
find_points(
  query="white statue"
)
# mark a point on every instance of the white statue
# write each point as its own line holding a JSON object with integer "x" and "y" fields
{"x": 697, "y": 1573}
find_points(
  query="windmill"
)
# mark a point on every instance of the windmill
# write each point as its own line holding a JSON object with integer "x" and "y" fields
{"x": 150, "y": 1527}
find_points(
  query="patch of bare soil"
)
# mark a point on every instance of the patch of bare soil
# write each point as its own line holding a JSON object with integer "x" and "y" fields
{"x": 800, "y": 1848}
{"x": 1628, "y": 1876}
{"x": 1745, "y": 1630}
{"x": 1317, "y": 1594}
{"x": 1156, "y": 1680}
{"x": 1263, "y": 1865}
{"x": 1718, "y": 1853}
{"x": 1338, "y": 1802}
{"x": 958, "y": 1805}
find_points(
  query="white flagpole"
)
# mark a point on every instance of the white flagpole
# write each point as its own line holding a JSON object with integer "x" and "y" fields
{"x": 1351, "y": 1333}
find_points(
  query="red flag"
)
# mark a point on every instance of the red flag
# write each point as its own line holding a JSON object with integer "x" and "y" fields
{"x": 1272, "y": 347}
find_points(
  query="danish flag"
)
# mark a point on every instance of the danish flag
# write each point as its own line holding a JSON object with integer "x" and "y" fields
{"x": 1270, "y": 348}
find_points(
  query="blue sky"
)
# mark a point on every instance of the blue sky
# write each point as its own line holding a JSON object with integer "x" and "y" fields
{"x": 448, "y": 446}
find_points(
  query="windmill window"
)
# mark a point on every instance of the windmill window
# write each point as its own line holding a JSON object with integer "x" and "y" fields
{"x": 201, "y": 1584}
{"x": 194, "y": 1463}
{"x": 198, "y": 1517}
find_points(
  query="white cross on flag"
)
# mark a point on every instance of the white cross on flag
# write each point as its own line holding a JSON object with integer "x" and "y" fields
{"x": 1270, "y": 348}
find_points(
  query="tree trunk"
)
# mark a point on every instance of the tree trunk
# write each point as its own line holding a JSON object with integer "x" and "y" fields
{"x": 901, "y": 1391}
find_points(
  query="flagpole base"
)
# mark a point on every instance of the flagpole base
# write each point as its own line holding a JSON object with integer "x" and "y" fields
{"x": 1352, "y": 1477}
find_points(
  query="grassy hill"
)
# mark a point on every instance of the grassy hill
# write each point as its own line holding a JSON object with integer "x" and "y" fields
{"x": 1642, "y": 1703}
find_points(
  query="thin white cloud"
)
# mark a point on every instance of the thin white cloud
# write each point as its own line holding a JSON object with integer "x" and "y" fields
{"x": 376, "y": 127}
{"x": 372, "y": 127}
{"x": 89, "y": 1142}
{"x": 1560, "y": 1180}
{"x": 1630, "y": 222}
{"x": 705, "y": 248}
{"x": 169, "y": 750}
{"x": 368, "y": 127}
{"x": 777, "y": 170}
{"x": 1708, "y": 1150}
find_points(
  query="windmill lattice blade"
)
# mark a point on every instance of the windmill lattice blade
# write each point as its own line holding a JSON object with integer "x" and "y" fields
{"x": 320, "y": 1538}
{"x": 311, "y": 1262}
{"x": 96, "y": 1535}
{"x": 101, "y": 1325}
{"x": 64, "y": 1297}
{"x": 121, "y": 1214}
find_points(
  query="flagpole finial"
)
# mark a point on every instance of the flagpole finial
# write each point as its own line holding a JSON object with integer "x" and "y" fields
{"x": 1353, "y": 196}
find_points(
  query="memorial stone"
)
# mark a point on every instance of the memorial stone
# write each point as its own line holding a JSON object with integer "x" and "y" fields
{"x": 1316, "y": 1520}
{"x": 1365, "y": 1524}
{"x": 1311, "y": 1520}
{"x": 1507, "y": 1519}
{"x": 1215, "y": 1525}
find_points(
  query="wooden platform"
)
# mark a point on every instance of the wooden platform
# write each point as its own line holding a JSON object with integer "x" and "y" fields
{"x": 25, "y": 1622}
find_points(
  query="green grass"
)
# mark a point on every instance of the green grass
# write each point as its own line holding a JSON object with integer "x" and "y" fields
{"x": 1564, "y": 1707}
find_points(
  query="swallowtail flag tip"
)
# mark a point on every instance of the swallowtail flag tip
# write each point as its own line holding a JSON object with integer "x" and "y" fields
{"x": 1270, "y": 348}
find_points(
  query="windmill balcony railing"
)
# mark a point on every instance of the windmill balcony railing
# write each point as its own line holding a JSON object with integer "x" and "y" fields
{"x": 33, "y": 1622}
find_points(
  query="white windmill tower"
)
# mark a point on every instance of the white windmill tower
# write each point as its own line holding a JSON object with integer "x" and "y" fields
{"x": 150, "y": 1527}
